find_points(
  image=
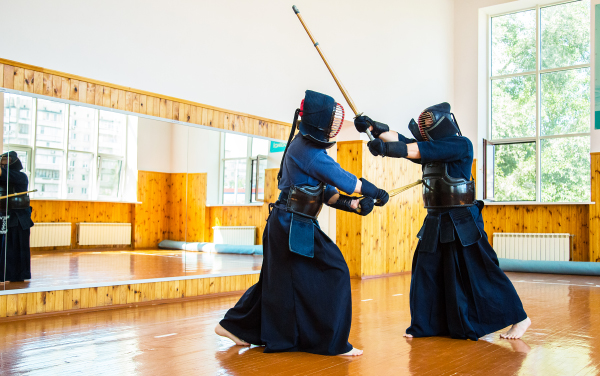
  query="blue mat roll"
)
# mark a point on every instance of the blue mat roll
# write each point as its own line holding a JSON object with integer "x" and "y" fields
{"x": 212, "y": 247}
{"x": 550, "y": 267}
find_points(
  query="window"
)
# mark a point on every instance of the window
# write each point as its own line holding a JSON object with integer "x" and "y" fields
{"x": 538, "y": 143}
{"x": 243, "y": 166}
{"x": 71, "y": 151}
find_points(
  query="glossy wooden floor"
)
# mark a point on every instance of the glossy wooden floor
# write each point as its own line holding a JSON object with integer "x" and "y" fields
{"x": 53, "y": 269}
{"x": 178, "y": 339}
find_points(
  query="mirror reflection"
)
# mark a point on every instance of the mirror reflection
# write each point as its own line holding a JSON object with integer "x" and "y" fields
{"x": 120, "y": 197}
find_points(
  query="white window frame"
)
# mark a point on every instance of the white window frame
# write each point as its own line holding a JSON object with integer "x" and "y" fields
{"x": 537, "y": 139}
{"x": 248, "y": 159}
{"x": 94, "y": 173}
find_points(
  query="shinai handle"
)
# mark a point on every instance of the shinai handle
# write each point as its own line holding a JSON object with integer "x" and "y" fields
{"x": 335, "y": 78}
{"x": 397, "y": 191}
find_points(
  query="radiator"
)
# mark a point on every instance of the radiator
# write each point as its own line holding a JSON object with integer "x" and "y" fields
{"x": 103, "y": 233}
{"x": 46, "y": 234}
{"x": 519, "y": 246}
{"x": 236, "y": 235}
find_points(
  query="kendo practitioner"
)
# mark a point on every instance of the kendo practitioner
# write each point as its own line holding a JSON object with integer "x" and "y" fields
{"x": 302, "y": 301}
{"x": 15, "y": 257}
{"x": 457, "y": 288}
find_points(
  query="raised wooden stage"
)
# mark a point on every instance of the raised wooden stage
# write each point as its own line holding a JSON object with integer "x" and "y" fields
{"x": 91, "y": 279}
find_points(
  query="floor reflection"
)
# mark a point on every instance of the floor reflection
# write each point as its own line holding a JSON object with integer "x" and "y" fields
{"x": 60, "y": 269}
{"x": 178, "y": 338}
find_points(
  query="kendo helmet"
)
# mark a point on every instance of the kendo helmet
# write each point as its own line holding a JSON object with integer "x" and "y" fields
{"x": 11, "y": 158}
{"x": 321, "y": 118}
{"x": 435, "y": 122}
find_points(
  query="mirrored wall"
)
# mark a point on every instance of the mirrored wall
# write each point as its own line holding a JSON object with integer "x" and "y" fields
{"x": 119, "y": 197}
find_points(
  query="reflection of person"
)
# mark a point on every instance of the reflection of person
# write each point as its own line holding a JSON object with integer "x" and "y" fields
{"x": 457, "y": 287}
{"x": 302, "y": 301}
{"x": 15, "y": 258}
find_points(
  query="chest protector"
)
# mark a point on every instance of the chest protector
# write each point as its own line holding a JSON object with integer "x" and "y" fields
{"x": 15, "y": 202}
{"x": 441, "y": 190}
{"x": 306, "y": 200}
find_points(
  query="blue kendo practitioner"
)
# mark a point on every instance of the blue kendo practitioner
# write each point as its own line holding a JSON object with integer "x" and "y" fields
{"x": 15, "y": 212}
{"x": 302, "y": 301}
{"x": 457, "y": 288}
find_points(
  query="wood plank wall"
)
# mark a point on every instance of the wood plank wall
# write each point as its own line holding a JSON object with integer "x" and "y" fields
{"x": 572, "y": 219}
{"x": 384, "y": 241}
{"x": 79, "y": 211}
{"x": 38, "y": 80}
{"x": 93, "y": 297}
{"x": 594, "y": 210}
{"x": 151, "y": 218}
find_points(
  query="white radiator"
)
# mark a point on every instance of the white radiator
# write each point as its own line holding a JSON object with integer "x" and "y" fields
{"x": 519, "y": 246}
{"x": 237, "y": 235}
{"x": 103, "y": 233}
{"x": 48, "y": 234}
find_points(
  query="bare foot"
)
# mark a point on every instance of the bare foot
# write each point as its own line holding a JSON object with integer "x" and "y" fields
{"x": 225, "y": 333}
{"x": 353, "y": 352}
{"x": 517, "y": 330}
{"x": 407, "y": 335}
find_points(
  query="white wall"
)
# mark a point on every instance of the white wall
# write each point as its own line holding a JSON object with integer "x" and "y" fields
{"x": 154, "y": 145}
{"x": 203, "y": 156}
{"x": 395, "y": 57}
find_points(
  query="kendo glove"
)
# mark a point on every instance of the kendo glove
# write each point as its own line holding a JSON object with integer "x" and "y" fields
{"x": 362, "y": 123}
{"x": 380, "y": 196}
{"x": 395, "y": 149}
{"x": 365, "y": 204}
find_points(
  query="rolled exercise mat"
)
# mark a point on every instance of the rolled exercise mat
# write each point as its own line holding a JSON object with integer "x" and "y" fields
{"x": 550, "y": 267}
{"x": 212, "y": 247}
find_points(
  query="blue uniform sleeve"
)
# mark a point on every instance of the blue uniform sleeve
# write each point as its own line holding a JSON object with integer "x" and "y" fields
{"x": 330, "y": 191}
{"x": 405, "y": 139}
{"x": 324, "y": 168}
{"x": 449, "y": 149}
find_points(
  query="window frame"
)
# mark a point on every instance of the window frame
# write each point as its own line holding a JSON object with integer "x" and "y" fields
{"x": 94, "y": 173}
{"x": 538, "y": 72}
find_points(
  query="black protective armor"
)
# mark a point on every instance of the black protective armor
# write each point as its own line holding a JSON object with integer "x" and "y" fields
{"x": 305, "y": 200}
{"x": 441, "y": 190}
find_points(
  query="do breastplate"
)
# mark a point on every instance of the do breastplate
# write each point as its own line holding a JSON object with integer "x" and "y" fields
{"x": 441, "y": 190}
{"x": 15, "y": 202}
{"x": 306, "y": 200}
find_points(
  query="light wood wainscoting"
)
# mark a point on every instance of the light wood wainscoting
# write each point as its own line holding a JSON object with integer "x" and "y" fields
{"x": 75, "y": 300}
{"x": 50, "y": 83}
{"x": 384, "y": 241}
{"x": 594, "y": 210}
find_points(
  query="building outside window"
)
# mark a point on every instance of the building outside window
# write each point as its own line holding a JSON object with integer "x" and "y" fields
{"x": 538, "y": 142}
{"x": 68, "y": 151}
{"x": 243, "y": 163}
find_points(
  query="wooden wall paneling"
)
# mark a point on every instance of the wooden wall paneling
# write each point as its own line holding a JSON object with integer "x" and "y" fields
{"x": 56, "y": 86}
{"x": 82, "y": 89}
{"x": 169, "y": 109}
{"x": 150, "y": 106}
{"x": 176, "y": 106}
{"x": 74, "y": 91}
{"x": 114, "y": 98}
{"x": 594, "y": 210}
{"x": 121, "y": 101}
{"x": 162, "y": 108}
{"x": 90, "y": 97}
{"x": 136, "y": 103}
{"x": 156, "y": 111}
{"x": 46, "y": 84}
{"x": 38, "y": 82}
{"x": 196, "y": 206}
{"x": 9, "y": 76}
{"x": 19, "y": 79}
{"x": 143, "y": 106}
{"x": 193, "y": 115}
{"x": 2, "y": 77}
{"x": 65, "y": 88}
{"x": 3, "y": 299}
{"x": 29, "y": 81}
{"x": 99, "y": 95}
{"x": 129, "y": 101}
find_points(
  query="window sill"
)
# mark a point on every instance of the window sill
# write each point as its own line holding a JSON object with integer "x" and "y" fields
{"x": 102, "y": 201}
{"x": 523, "y": 203}
{"x": 227, "y": 205}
